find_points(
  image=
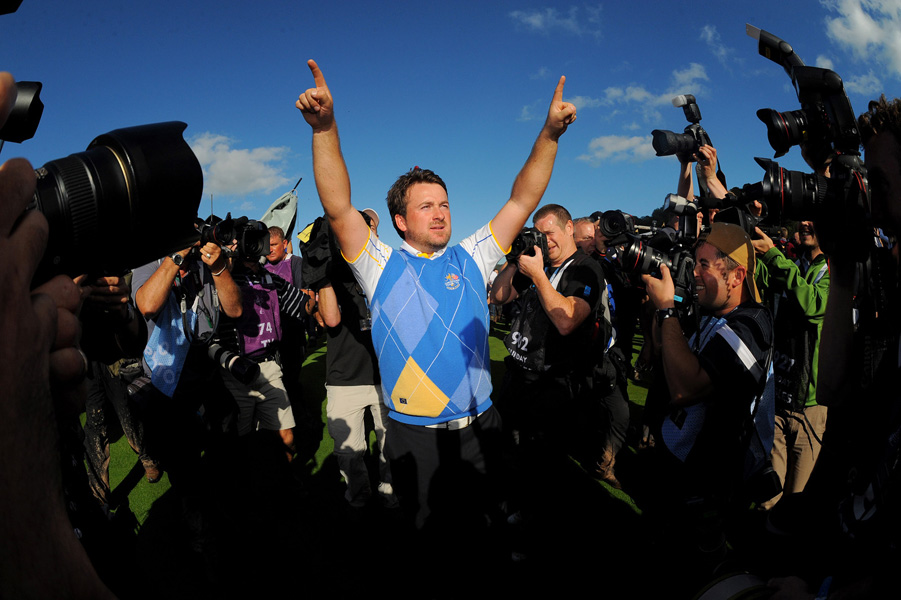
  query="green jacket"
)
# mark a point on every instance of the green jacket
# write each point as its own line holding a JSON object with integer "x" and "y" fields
{"x": 799, "y": 302}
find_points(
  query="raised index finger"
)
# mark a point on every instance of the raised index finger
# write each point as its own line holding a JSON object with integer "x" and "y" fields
{"x": 558, "y": 93}
{"x": 318, "y": 78}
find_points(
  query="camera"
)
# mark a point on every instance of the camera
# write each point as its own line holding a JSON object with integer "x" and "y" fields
{"x": 824, "y": 126}
{"x": 644, "y": 253}
{"x": 825, "y": 117}
{"x": 525, "y": 243}
{"x": 128, "y": 199}
{"x": 667, "y": 143}
{"x": 614, "y": 223}
{"x": 251, "y": 238}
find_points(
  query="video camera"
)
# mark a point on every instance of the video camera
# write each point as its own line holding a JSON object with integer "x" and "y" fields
{"x": 824, "y": 126}
{"x": 667, "y": 143}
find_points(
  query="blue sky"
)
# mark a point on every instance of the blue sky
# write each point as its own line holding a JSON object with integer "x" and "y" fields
{"x": 458, "y": 87}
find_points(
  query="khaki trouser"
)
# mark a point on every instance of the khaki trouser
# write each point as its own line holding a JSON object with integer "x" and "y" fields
{"x": 795, "y": 449}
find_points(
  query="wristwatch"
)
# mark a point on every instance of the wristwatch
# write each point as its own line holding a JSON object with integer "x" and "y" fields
{"x": 177, "y": 258}
{"x": 665, "y": 313}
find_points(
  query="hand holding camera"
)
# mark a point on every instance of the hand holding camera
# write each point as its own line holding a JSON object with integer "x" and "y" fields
{"x": 532, "y": 265}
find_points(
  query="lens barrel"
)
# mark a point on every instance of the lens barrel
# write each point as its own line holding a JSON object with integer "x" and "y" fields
{"x": 128, "y": 199}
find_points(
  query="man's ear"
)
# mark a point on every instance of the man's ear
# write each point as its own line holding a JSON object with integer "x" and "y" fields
{"x": 569, "y": 229}
{"x": 401, "y": 222}
{"x": 740, "y": 275}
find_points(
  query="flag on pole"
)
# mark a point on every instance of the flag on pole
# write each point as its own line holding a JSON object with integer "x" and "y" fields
{"x": 283, "y": 212}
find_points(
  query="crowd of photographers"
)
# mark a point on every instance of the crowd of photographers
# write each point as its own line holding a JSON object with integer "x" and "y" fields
{"x": 771, "y": 434}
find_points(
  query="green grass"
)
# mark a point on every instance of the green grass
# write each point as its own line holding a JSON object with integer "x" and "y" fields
{"x": 125, "y": 469}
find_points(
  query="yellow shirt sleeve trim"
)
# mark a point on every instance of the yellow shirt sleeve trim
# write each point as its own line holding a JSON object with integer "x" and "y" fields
{"x": 491, "y": 229}
{"x": 360, "y": 253}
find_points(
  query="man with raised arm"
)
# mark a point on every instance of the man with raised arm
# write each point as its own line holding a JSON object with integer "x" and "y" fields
{"x": 430, "y": 316}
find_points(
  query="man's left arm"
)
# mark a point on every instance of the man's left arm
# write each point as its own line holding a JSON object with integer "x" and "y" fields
{"x": 567, "y": 313}
{"x": 532, "y": 181}
{"x": 291, "y": 299}
{"x": 226, "y": 288}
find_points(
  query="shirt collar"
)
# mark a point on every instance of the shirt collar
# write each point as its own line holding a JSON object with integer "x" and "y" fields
{"x": 413, "y": 251}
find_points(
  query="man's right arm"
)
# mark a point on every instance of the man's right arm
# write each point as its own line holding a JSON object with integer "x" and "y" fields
{"x": 785, "y": 276}
{"x": 707, "y": 162}
{"x": 532, "y": 181}
{"x": 329, "y": 168}
{"x": 328, "y": 306}
{"x": 502, "y": 291}
{"x": 151, "y": 296}
{"x": 685, "y": 185}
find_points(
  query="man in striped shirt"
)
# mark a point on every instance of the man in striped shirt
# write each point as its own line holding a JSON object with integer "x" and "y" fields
{"x": 263, "y": 403}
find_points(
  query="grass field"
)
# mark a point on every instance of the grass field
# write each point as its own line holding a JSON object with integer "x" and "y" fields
{"x": 588, "y": 534}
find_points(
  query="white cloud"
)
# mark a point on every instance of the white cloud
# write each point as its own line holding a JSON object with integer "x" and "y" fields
{"x": 869, "y": 29}
{"x": 583, "y": 102}
{"x": 866, "y": 85}
{"x": 541, "y": 73}
{"x": 229, "y": 171}
{"x": 711, "y": 37}
{"x": 618, "y": 147}
{"x": 824, "y": 62}
{"x": 686, "y": 81}
{"x": 577, "y": 21}
{"x": 526, "y": 114}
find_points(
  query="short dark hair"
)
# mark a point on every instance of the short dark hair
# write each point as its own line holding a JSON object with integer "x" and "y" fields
{"x": 277, "y": 231}
{"x": 561, "y": 215}
{"x": 882, "y": 115}
{"x": 397, "y": 195}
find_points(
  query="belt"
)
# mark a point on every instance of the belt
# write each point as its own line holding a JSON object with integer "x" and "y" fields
{"x": 261, "y": 358}
{"x": 461, "y": 423}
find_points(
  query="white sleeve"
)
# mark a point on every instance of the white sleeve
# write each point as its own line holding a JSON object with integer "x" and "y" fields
{"x": 484, "y": 248}
{"x": 368, "y": 265}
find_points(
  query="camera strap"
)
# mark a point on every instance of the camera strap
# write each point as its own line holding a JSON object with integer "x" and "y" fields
{"x": 198, "y": 308}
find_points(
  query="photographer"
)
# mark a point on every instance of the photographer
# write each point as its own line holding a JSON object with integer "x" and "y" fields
{"x": 181, "y": 297}
{"x": 551, "y": 340}
{"x": 263, "y": 403}
{"x": 714, "y": 378}
{"x": 614, "y": 359}
{"x": 40, "y": 370}
{"x": 802, "y": 287}
{"x": 109, "y": 315}
{"x": 856, "y": 555}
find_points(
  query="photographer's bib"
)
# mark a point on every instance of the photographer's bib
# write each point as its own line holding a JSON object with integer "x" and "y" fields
{"x": 260, "y": 322}
{"x": 526, "y": 341}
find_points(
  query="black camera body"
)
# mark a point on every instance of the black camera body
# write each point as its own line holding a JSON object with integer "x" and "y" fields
{"x": 525, "y": 243}
{"x": 643, "y": 254}
{"x": 688, "y": 142}
{"x": 825, "y": 118}
{"x": 251, "y": 237}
